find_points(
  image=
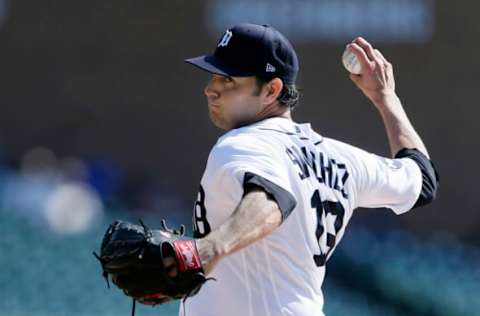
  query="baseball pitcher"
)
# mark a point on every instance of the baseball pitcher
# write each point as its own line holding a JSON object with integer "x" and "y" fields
{"x": 276, "y": 196}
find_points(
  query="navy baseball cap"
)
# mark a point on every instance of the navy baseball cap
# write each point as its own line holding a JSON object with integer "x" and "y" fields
{"x": 251, "y": 50}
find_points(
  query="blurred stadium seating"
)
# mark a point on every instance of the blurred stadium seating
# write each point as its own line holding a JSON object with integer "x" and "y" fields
{"x": 49, "y": 274}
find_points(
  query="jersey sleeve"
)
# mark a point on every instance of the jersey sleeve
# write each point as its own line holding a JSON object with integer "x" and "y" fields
{"x": 243, "y": 162}
{"x": 430, "y": 177}
{"x": 383, "y": 182}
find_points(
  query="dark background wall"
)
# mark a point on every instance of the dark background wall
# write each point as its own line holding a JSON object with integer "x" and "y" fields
{"x": 106, "y": 79}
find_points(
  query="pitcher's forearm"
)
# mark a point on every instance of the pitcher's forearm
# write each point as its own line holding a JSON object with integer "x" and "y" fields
{"x": 255, "y": 217}
{"x": 400, "y": 131}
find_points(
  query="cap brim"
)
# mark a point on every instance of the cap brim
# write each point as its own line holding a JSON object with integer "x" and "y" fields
{"x": 213, "y": 65}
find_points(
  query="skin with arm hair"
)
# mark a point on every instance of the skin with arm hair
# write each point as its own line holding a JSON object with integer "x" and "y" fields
{"x": 255, "y": 217}
{"x": 378, "y": 84}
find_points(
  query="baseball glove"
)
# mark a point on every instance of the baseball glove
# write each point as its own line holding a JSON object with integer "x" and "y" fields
{"x": 137, "y": 260}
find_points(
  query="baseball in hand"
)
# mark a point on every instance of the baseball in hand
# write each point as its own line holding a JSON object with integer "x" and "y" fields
{"x": 351, "y": 63}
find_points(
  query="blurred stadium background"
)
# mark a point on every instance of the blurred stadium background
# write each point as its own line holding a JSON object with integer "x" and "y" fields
{"x": 101, "y": 119}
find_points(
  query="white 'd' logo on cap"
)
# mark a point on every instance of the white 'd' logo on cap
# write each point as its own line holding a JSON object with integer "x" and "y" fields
{"x": 225, "y": 39}
{"x": 270, "y": 68}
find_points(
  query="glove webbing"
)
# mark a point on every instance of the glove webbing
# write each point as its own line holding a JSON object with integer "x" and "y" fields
{"x": 148, "y": 234}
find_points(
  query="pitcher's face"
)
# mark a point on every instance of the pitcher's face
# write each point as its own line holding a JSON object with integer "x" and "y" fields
{"x": 232, "y": 101}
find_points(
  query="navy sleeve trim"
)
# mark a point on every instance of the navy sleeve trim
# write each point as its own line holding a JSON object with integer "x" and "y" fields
{"x": 430, "y": 179}
{"x": 285, "y": 200}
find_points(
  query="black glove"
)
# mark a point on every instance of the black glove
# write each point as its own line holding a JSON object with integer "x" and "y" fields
{"x": 137, "y": 258}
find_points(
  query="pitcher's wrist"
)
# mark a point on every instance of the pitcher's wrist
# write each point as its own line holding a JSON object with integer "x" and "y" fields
{"x": 386, "y": 101}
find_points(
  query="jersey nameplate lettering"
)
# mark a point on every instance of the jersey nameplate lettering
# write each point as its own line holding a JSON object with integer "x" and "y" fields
{"x": 326, "y": 171}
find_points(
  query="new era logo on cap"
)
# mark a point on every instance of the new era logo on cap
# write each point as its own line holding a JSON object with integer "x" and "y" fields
{"x": 269, "y": 68}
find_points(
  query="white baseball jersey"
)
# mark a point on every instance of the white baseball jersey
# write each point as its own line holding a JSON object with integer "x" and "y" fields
{"x": 282, "y": 274}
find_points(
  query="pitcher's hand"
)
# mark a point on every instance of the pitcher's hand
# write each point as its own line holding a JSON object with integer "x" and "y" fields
{"x": 376, "y": 80}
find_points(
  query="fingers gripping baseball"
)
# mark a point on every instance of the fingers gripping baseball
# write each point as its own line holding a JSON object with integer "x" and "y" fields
{"x": 376, "y": 80}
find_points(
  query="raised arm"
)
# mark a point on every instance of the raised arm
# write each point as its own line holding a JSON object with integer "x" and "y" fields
{"x": 378, "y": 84}
{"x": 256, "y": 216}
